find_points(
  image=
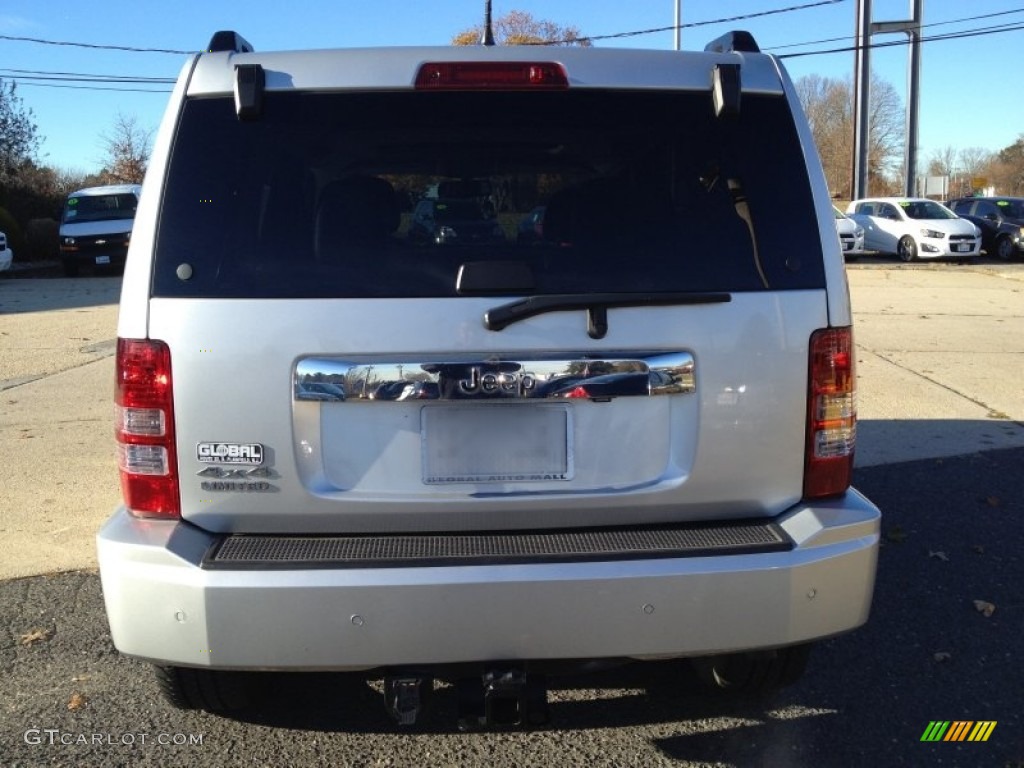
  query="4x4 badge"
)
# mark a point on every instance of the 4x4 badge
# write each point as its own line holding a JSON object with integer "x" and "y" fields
{"x": 222, "y": 473}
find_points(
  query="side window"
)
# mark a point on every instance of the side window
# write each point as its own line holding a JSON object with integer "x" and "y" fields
{"x": 963, "y": 207}
{"x": 422, "y": 211}
{"x": 887, "y": 211}
{"x": 866, "y": 209}
{"x": 986, "y": 209}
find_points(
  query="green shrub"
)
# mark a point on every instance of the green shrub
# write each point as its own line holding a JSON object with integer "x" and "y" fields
{"x": 42, "y": 240}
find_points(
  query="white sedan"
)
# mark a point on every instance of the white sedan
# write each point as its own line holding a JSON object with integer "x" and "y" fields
{"x": 851, "y": 234}
{"x": 6, "y": 254}
{"x": 914, "y": 228}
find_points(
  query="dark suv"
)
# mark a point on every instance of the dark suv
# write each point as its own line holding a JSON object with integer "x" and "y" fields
{"x": 1001, "y": 221}
{"x": 455, "y": 221}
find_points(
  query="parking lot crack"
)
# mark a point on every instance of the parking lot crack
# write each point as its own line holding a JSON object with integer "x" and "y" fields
{"x": 992, "y": 413}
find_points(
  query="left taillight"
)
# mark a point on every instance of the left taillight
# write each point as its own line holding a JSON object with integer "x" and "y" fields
{"x": 144, "y": 428}
{"x": 832, "y": 414}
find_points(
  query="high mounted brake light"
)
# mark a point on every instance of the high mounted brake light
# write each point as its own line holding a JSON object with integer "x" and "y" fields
{"x": 144, "y": 428}
{"x": 491, "y": 76}
{"x": 832, "y": 414}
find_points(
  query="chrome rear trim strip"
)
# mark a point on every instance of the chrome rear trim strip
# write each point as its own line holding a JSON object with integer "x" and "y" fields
{"x": 353, "y": 379}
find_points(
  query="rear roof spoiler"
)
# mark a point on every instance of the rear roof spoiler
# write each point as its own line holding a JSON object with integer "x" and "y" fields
{"x": 226, "y": 40}
{"x": 736, "y": 41}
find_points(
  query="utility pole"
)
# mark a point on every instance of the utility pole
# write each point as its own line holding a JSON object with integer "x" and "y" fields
{"x": 912, "y": 28}
{"x": 861, "y": 99}
{"x": 862, "y": 82}
{"x": 679, "y": 25}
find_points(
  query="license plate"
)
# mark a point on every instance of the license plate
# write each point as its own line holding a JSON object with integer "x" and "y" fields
{"x": 102, "y": 259}
{"x": 496, "y": 444}
{"x": 847, "y": 246}
{"x": 963, "y": 248}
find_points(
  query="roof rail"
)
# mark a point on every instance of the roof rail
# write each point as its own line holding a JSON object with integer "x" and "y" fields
{"x": 736, "y": 41}
{"x": 227, "y": 40}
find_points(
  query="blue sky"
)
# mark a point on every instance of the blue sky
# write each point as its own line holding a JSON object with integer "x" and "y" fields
{"x": 971, "y": 92}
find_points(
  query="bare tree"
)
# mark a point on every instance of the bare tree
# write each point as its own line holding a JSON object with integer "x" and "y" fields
{"x": 521, "y": 28}
{"x": 828, "y": 104}
{"x": 943, "y": 162}
{"x": 829, "y": 108}
{"x": 127, "y": 148}
{"x": 887, "y": 130}
{"x": 975, "y": 161}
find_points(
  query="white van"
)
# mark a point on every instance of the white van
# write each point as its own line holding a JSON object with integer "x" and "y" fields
{"x": 96, "y": 226}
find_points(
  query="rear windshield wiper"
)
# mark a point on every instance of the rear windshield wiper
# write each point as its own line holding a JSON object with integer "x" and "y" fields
{"x": 596, "y": 304}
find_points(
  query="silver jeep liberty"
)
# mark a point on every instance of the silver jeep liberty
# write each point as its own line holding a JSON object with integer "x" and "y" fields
{"x": 593, "y": 403}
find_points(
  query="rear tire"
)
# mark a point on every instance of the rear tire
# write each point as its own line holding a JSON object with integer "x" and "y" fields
{"x": 1005, "y": 249}
{"x": 906, "y": 249}
{"x": 209, "y": 689}
{"x": 754, "y": 672}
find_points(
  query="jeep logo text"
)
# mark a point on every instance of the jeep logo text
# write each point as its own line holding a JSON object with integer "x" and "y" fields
{"x": 496, "y": 382}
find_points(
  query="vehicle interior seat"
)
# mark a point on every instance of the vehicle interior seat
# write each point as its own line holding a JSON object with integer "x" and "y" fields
{"x": 354, "y": 212}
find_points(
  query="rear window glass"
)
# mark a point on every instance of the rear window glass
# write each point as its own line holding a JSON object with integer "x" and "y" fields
{"x": 392, "y": 194}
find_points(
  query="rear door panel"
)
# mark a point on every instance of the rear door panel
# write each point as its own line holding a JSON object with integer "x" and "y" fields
{"x": 733, "y": 447}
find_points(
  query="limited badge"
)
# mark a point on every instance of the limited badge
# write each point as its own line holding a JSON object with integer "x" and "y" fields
{"x": 230, "y": 453}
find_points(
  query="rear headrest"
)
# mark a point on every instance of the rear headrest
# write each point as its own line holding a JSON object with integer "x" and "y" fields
{"x": 356, "y": 210}
{"x": 606, "y": 212}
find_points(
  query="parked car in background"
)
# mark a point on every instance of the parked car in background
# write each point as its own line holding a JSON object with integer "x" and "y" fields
{"x": 6, "y": 254}
{"x": 1001, "y": 221}
{"x": 454, "y": 222}
{"x": 319, "y": 391}
{"x": 96, "y": 227}
{"x": 914, "y": 228}
{"x": 851, "y": 234}
{"x": 531, "y": 227}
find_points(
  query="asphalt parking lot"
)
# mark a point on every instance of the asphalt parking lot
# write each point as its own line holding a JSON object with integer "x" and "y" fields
{"x": 941, "y": 451}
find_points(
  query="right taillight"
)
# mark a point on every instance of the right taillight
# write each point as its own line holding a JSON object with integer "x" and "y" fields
{"x": 832, "y": 414}
{"x": 144, "y": 428}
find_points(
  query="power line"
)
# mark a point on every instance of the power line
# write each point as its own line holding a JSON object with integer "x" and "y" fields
{"x": 35, "y": 77}
{"x": 107, "y": 79}
{"x": 981, "y": 32}
{"x": 5, "y": 72}
{"x": 94, "y": 88}
{"x": 95, "y": 46}
{"x": 43, "y": 79}
{"x": 923, "y": 26}
{"x": 694, "y": 24}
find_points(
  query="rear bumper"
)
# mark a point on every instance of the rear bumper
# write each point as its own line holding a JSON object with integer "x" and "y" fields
{"x": 114, "y": 255}
{"x": 162, "y": 606}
